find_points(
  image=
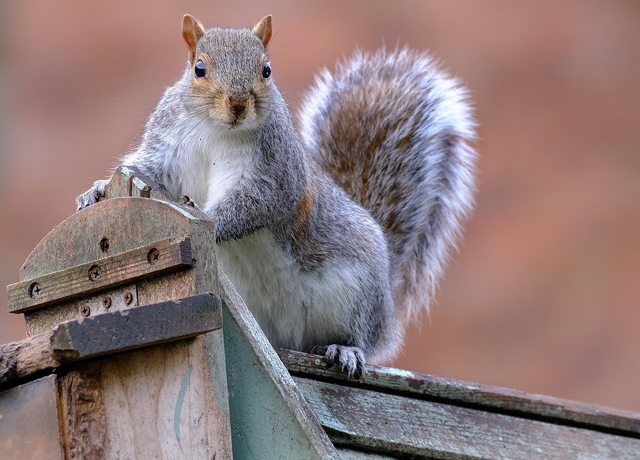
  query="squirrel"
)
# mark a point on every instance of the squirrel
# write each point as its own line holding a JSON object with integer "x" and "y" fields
{"x": 334, "y": 236}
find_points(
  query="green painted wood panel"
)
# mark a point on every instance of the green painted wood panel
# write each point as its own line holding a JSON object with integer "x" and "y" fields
{"x": 269, "y": 417}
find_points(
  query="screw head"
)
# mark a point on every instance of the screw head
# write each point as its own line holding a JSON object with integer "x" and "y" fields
{"x": 85, "y": 310}
{"x": 106, "y": 302}
{"x": 128, "y": 298}
{"x": 34, "y": 290}
{"x": 94, "y": 272}
{"x": 152, "y": 256}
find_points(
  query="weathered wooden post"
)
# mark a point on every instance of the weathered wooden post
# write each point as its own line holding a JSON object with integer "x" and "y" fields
{"x": 140, "y": 348}
{"x": 128, "y": 273}
{"x": 124, "y": 308}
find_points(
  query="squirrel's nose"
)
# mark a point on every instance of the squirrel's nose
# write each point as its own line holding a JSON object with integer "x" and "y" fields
{"x": 237, "y": 105}
{"x": 237, "y": 109}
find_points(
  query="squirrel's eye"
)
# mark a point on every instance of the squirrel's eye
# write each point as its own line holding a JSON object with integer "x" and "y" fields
{"x": 200, "y": 69}
{"x": 266, "y": 70}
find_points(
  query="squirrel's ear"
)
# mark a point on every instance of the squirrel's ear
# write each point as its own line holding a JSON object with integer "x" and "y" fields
{"x": 192, "y": 31}
{"x": 263, "y": 30}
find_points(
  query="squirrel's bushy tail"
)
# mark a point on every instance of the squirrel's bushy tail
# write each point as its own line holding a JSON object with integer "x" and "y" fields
{"x": 395, "y": 131}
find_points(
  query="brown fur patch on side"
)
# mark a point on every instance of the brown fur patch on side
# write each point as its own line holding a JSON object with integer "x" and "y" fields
{"x": 303, "y": 211}
{"x": 308, "y": 256}
{"x": 358, "y": 163}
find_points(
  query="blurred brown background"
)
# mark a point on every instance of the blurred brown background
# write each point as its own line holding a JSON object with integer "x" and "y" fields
{"x": 545, "y": 293}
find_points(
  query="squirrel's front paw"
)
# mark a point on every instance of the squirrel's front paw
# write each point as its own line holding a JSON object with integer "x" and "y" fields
{"x": 92, "y": 195}
{"x": 350, "y": 359}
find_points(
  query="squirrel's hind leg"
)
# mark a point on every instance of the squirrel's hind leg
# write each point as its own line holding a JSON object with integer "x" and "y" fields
{"x": 351, "y": 359}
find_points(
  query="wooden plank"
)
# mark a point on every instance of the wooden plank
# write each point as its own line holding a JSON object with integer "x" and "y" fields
{"x": 367, "y": 420}
{"x": 485, "y": 397}
{"x": 29, "y": 428}
{"x": 99, "y": 275}
{"x": 349, "y": 454}
{"x": 269, "y": 416}
{"x": 109, "y": 333}
{"x": 25, "y": 358}
{"x": 83, "y": 413}
{"x": 159, "y": 402}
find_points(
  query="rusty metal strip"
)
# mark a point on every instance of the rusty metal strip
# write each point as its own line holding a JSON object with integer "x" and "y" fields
{"x": 137, "y": 327}
{"x": 99, "y": 275}
{"x": 109, "y": 333}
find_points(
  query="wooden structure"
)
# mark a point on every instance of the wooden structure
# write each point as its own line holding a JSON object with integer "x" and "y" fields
{"x": 139, "y": 348}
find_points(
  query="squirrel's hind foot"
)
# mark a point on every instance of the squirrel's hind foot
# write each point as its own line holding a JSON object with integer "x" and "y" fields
{"x": 350, "y": 359}
{"x": 188, "y": 201}
{"x": 92, "y": 195}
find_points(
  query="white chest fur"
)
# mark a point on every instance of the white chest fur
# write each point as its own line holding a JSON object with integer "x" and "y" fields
{"x": 206, "y": 163}
{"x": 296, "y": 309}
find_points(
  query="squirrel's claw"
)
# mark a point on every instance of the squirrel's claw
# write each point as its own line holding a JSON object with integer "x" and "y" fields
{"x": 92, "y": 195}
{"x": 187, "y": 201}
{"x": 351, "y": 359}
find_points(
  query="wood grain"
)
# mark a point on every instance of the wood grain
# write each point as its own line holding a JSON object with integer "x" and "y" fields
{"x": 99, "y": 275}
{"x": 162, "y": 403}
{"x": 482, "y": 397}
{"x": 366, "y": 420}
{"x": 82, "y": 413}
{"x": 25, "y": 358}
